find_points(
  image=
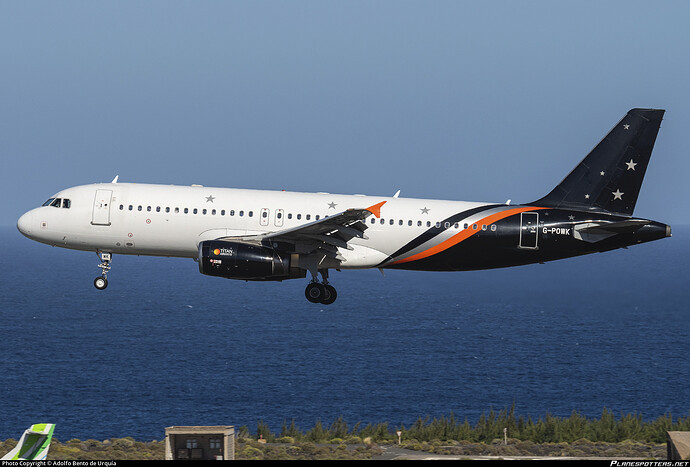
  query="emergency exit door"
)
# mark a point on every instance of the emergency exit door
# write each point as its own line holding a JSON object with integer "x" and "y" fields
{"x": 101, "y": 207}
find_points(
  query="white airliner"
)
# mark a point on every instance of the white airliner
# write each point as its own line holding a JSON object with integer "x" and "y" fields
{"x": 279, "y": 235}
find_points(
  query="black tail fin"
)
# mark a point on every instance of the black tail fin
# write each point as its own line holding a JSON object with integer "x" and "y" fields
{"x": 610, "y": 177}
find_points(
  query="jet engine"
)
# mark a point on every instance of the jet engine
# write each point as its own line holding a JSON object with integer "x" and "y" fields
{"x": 244, "y": 261}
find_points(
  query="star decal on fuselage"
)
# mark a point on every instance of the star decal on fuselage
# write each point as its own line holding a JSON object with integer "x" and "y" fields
{"x": 332, "y": 205}
{"x": 209, "y": 199}
{"x": 617, "y": 194}
{"x": 631, "y": 165}
{"x": 425, "y": 210}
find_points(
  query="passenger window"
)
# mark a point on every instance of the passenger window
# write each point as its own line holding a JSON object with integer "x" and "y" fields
{"x": 232, "y": 212}
{"x": 195, "y": 210}
{"x": 428, "y": 223}
{"x": 279, "y": 215}
{"x": 158, "y": 209}
{"x": 474, "y": 226}
{"x": 447, "y": 225}
{"x": 400, "y": 222}
{"x": 438, "y": 225}
{"x": 391, "y": 222}
{"x": 289, "y": 215}
{"x": 203, "y": 211}
{"x": 483, "y": 226}
{"x": 373, "y": 220}
{"x": 177, "y": 210}
{"x": 299, "y": 216}
{"x": 264, "y": 214}
{"x": 241, "y": 213}
{"x": 222, "y": 212}
{"x": 167, "y": 209}
{"x": 419, "y": 223}
{"x": 308, "y": 217}
{"x": 148, "y": 208}
{"x": 493, "y": 227}
{"x": 456, "y": 225}
{"x": 186, "y": 210}
{"x": 131, "y": 207}
{"x": 464, "y": 226}
{"x": 383, "y": 221}
{"x": 317, "y": 217}
{"x": 213, "y": 212}
{"x": 122, "y": 206}
{"x": 251, "y": 213}
{"x": 409, "y": 223}
{"x": 139, "y": 208}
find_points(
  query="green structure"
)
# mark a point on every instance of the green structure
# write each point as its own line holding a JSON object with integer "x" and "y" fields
{"x": 34, "y": 443}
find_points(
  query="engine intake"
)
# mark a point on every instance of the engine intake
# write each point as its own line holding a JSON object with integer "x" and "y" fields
{"x": 245, "y": 261}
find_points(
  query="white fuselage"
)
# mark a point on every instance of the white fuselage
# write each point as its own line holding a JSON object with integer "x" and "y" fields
{"x": 167, "y": 220}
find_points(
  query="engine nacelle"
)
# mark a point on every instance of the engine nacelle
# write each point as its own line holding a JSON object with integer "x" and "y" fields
{"x": 245, "y": 261}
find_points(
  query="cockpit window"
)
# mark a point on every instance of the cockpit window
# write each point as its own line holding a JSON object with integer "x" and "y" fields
{"x": 58, "y": 203}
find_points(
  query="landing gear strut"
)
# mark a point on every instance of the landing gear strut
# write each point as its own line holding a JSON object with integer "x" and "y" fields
{"x": 323, "y": 292}
{"x": 101, "y": 282}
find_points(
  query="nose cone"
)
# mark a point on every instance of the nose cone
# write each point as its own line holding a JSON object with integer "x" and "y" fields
{"x": 25, "y": 223}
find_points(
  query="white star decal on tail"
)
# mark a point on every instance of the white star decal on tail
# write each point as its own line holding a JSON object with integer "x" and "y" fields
{"x": 626, "y": 127}
{"x": 617, "y": 194}
{"x": 631, "y": 165}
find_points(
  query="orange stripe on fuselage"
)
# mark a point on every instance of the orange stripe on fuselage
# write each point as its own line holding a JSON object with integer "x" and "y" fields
{"x": 465, "y": 234}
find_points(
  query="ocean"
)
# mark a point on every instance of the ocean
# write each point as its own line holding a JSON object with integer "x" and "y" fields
{"x": 164, "y": 345}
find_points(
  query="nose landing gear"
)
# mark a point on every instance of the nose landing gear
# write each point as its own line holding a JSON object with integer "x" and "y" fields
{"x": 323, "y": 292}
{"x": 101, "y": 282}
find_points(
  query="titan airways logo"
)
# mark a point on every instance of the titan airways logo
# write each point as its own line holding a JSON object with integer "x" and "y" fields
{"x": 223, "y": 252}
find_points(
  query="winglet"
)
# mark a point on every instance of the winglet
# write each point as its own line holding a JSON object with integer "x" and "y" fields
{"x": 376, "y": 209}
{"x": 115, "y": 179}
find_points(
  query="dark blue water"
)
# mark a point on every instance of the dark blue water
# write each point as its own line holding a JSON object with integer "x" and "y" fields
{"x": 164, "y": 345}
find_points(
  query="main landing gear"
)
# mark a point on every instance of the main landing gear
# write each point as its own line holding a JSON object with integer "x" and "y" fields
{"x": 323, "y": 292}
{"x": 101, "y": 282}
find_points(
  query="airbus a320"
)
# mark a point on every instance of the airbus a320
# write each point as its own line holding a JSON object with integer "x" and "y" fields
{"x": 263, "y": 235}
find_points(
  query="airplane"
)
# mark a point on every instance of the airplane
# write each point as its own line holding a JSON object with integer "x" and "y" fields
{"x": 261, "y": 235}
{"x": 34, "y": 443}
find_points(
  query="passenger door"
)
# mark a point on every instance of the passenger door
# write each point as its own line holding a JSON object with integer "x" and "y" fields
{"x": 101, "y": 207}
{"x": 529, "y": 230}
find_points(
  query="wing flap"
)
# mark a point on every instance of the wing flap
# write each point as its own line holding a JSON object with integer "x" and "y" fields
{"x": 323, "y": 236}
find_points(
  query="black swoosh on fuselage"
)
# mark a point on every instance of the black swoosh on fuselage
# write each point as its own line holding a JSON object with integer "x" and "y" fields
{"x": 435, "y": 231}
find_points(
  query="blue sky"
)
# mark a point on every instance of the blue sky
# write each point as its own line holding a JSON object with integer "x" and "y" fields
{"x": 480, "y": 101}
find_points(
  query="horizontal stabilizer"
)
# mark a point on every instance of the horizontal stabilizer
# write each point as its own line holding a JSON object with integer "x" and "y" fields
{"x": 593, "y": 232}
{"x": 628, "y": 226}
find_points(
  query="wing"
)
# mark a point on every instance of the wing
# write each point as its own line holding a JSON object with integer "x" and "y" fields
{"x": 319, "y": 239}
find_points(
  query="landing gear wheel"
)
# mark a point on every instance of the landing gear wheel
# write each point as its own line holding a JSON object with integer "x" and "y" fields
{"x": 330, "y": 294}
{"x": 100, "y": 282}
{"x": 315, "y": 292}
